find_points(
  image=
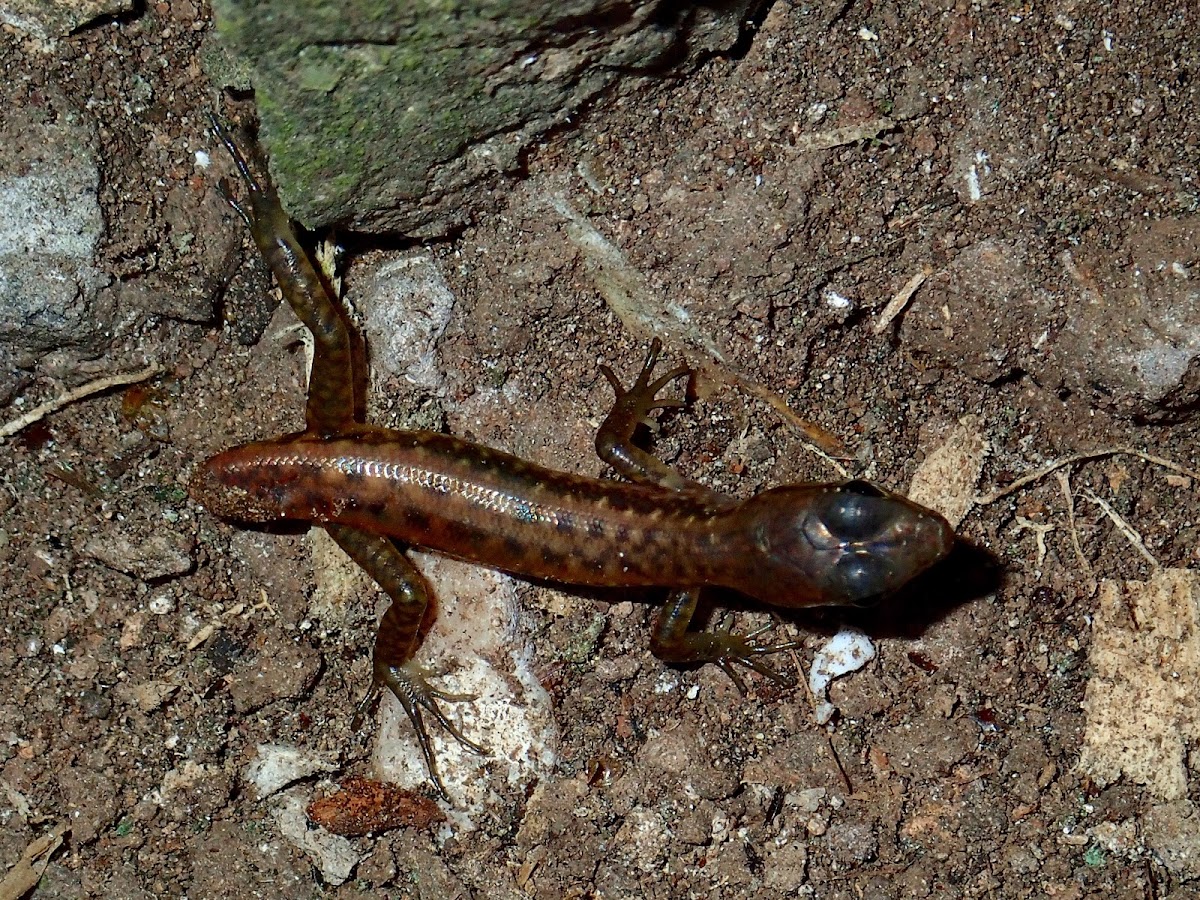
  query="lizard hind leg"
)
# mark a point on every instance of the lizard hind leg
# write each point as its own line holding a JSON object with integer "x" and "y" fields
{"x": 409, "y": 684}
{"x": 393, "y": 666}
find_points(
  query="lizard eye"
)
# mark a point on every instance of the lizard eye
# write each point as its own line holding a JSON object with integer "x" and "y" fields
{"x": 862, "y": 578}
{"x": 854, "y": 513}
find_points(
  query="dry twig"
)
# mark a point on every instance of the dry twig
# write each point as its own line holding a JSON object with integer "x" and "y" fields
{"x": 1064, "y": 481}
{"x": 896, "y": 305}
{"x": 1131, "y": 534}
{"x": 74, "y": 395}
{"x": 1014, "y": 486}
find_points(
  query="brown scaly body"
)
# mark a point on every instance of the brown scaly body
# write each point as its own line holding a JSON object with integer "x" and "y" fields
{"x": 374, "y": 489}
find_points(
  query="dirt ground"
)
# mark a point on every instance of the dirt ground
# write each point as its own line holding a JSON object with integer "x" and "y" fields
{"x": 175, "y": 691}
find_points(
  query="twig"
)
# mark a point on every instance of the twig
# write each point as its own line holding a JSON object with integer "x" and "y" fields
{"x": 899, "y": 301}
{"x": 818, "y": 441}
{"x": 837, "y": 761}
{"x": 1014, "y": 486}
{"x": 75, "y": 394}
{"x": 1064, "y": 481}
{"x": 1040, "y": 532}
{"x": 1131, "y": 533}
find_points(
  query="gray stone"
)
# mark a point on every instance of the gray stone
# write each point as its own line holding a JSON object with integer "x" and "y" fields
{"x": 1132, "y": 341}
{"x": 50, "y": 288}
{"x": 49, "y": 19}
{"x": 386, "y": 117}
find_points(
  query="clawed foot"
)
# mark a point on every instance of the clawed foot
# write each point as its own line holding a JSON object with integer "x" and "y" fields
{"x": 730, "y": 650}
{"x": 409, "y": 684}
{"x": 641, "y": 399}
{"x": 614, "y": 440}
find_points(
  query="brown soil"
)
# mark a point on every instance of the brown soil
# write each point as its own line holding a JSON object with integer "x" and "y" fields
{"x": 151, "y": 651}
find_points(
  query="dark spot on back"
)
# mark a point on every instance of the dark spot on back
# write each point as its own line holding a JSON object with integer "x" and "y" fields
{"x": 461, "y": 533}
{"x": 553, "y": 559}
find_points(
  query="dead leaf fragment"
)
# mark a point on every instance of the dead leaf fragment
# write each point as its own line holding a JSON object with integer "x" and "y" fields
{"x": 945, "y": 480}
{"x": 26, "y": 873}
{"x": 1143, "y": 703}
{"x": 363, "y": 806}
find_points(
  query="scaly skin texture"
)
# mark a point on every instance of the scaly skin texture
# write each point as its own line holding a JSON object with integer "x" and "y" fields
{"x": 485, "y": 506}
{"x": 377, "y": 491}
